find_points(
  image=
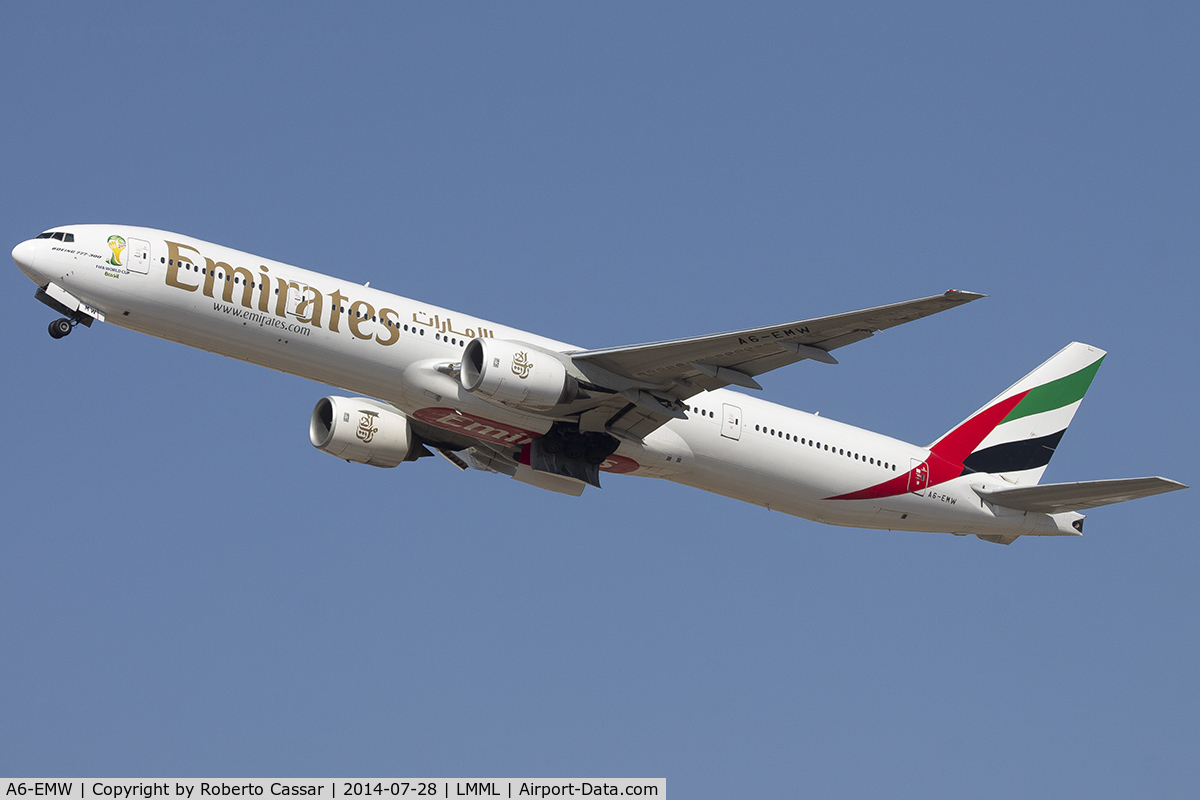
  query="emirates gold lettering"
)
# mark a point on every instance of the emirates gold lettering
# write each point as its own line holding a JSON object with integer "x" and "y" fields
{"x": 306, "y": 301}
{"x": 211, "y": 276}
{"x": 335, "y": 309}
{"x": 305, "y": 304}
{"x": 360, "y": 311}
{"x": 392, "y": 329}
{"x": 174, "y": 260}
{"x": 285, "y": 288}
{"x": 264, "y": 289}
{"x": 245, "y": 280}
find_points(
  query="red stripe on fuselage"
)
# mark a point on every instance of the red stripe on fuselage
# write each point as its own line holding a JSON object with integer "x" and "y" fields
{"x": 897, "y": 485}
{"x": 946, "y": 457}
{"x": 959, "y": 443}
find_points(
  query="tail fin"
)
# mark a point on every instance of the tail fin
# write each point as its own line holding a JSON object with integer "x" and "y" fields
{"x": 1016, "y": 433}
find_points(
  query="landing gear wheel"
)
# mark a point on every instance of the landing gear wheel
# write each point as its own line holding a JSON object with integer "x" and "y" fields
{"x": 60, "y": 328}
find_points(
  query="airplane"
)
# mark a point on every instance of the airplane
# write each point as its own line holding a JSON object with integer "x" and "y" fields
{"x": 431, "y": 380}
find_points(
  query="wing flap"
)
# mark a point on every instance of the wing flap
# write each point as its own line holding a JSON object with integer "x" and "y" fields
{"x": 1055, "y": 498}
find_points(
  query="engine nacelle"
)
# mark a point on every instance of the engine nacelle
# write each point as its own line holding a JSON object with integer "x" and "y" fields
{"x": 362, "y": 430}
{"x": 515, "y": 374}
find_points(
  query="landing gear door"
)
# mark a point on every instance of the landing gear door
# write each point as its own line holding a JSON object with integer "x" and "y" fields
{"x": 731, "y": 421}
{"x": 139, "y": 256}
{"x": 918, "y": 477}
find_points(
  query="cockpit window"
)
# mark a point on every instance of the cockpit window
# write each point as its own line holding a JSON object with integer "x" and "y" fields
{"x": 60, "y": 235}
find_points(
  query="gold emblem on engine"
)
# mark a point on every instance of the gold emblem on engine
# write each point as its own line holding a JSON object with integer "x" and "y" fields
{"x": 366, "y": 426}
{"x": 521, "y": 365}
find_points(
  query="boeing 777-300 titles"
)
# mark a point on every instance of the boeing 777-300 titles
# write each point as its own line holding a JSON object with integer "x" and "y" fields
{"x": 497, "y": 399}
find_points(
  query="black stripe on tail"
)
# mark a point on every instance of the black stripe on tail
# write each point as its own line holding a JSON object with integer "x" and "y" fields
{"x": 1014, "y": 456}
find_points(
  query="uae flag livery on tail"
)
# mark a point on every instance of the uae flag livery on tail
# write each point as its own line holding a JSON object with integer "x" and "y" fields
{"x": 1014, "y": 435}
{"x": 1023, "y": 426}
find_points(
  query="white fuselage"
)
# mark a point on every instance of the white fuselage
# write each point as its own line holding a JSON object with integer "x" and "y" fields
{"x": 372, "y": 343}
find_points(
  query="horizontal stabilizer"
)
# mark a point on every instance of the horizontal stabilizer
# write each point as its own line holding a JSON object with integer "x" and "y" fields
{"x": 1055, "y": 498}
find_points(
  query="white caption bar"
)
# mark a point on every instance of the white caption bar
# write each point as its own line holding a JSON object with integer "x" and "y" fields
{"x": 330, "y": 788}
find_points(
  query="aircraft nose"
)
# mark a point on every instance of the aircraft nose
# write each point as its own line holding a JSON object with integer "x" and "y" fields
{"x": 24, "y": 255}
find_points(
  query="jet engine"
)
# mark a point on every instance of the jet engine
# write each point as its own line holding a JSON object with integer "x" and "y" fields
{"x": 516, "y": 374}
{"x": 362, "y": 430}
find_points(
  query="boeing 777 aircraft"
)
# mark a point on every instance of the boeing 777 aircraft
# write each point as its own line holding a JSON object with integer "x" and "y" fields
{"x": 502, "y": 400}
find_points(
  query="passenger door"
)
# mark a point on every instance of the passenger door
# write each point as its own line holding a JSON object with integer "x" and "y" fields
{"x": 731, "y": 421}
{"x": 918, "y": 477}
{"x": 139, "y": 256}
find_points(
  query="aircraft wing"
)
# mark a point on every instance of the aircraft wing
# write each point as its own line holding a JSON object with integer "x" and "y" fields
{"x": 1054, "y": 498}
{"x": 652, "y": 379}
{"x": 757, "y": 350}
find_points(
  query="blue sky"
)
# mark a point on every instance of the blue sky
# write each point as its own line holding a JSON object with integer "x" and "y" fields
{"x": 188, "y": 588}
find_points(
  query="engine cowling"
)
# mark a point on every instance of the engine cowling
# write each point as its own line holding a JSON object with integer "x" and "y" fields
{"x": 515, "y": 374}
{"x": 361, "y": 430}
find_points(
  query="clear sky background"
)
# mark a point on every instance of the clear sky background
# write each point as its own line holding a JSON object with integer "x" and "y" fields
{"x": 188, "y": 588}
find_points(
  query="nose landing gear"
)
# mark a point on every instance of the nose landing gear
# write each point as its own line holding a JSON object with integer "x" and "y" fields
{"x": 73, "y": 315}
{"x": 61, "y": 327}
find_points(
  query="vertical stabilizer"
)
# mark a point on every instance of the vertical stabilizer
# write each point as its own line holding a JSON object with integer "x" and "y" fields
{"x": 1015, "y": 434}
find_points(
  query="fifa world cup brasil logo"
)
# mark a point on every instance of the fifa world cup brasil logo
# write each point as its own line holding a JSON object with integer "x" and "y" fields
{"x": 117, "y": 245}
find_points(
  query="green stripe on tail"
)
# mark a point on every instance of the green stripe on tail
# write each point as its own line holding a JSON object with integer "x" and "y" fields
{"x": 1056, "y": 394}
